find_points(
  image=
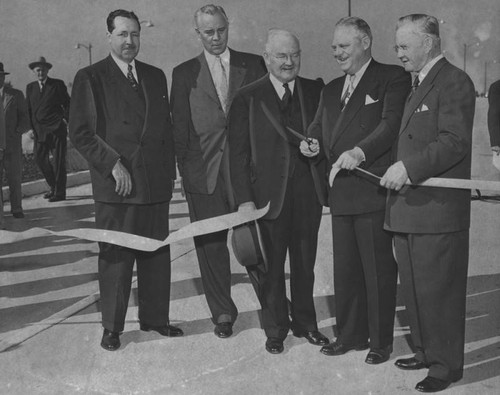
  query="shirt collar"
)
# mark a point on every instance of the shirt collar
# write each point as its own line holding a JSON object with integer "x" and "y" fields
{"x": 425, "y": 70}
{"x": 124, "y": 65}
{"x": 225, "y": 57}
{"x": 278, "y": 85}
{"x": 1, "y": 90}
{"x": 357, "y": 75}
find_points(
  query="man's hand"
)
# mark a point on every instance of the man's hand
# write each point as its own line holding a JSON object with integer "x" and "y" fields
{"x": 246, "y": 207}
{"x": 350, "y": 159}
{"x": 122, "y": 179}
{"x": 395, "y": 176}
{"x": 309, "y": 148}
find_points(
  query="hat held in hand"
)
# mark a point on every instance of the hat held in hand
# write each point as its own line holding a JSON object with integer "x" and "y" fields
{"x": 247, "y": 244}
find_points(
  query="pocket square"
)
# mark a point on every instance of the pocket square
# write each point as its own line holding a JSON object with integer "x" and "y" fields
{"x": 424, "y": 108}
{"x": 369, "y": 100}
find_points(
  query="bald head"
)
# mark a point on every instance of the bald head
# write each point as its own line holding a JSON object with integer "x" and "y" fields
{"x": 282, "y": 54}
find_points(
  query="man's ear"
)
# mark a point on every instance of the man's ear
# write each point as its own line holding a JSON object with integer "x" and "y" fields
{"x": 366, "y": 42}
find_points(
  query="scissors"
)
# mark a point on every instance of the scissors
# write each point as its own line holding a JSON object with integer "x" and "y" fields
{"x": 308, "y": 140}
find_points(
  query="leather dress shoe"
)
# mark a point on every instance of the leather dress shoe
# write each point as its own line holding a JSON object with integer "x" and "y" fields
{"x": 274, "y": 345}
{"x": 313, "y": 337}
{"x": 164, "y": 330}
{"x": 378, "y": 355}
{"x": 55, "y": 198}
{"x": 223, "y": 329}
{"x": 432, "y": 384}
{"x": 48, "y": 194}
{"x": 410, "y": 364}
{"x": 110, "y": 340}
{"x": 337, "y": 348}
{"x": 18, "y": 215}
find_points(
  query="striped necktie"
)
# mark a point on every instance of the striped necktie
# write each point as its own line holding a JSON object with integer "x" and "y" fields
{"x": 131, "y": 78}
{"x": 222, "y": 85}
{"x": 348, "y": 92}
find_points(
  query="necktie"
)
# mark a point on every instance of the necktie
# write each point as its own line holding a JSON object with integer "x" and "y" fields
{"x": 287, "y": 96}
{"x": 42, "y": 86}
{"x": 414, "y": 86}
{"x": 131, "y": 78}
{"x": 222, "y": 86}
{"x": 347, "y": 93}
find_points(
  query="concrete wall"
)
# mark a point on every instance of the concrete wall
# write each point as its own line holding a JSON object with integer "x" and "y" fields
{"x": 30, "y": 28}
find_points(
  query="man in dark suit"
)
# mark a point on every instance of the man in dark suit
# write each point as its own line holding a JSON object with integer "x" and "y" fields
{"x": 202, "y": 91}
{"x": 266, "y": 166}
{"x": 494, "y": 121}
{"x": 120, "y": 122}
{"x": 2, "y": 153}
{"x": 16, "y": 123}
{"x": 48, "y": 107}
{"x": 431, "y": 225}
{"x": 356, "y": 124}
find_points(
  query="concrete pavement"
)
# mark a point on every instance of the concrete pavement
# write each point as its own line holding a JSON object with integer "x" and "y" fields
{"x": 39, "y": 278}
{"x": 48, "y": 290}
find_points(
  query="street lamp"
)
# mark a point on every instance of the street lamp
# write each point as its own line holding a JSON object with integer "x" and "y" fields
{"x": 148, "y": 22}
{"x": 465, "y": 53}
{"x": 87, "y": 47}
{"x": 486, "y": 74}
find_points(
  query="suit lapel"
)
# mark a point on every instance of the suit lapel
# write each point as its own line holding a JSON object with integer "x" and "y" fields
{"x": 355, "y": 103}
{"x": 420, "y": 93}
{"x": 303, "y": 110}
{"x": 7, "y": 98}
{"x": 270, "y": 101}
{"x": 237, "y": 74}
{"x": 146, "y": 85}
{"x": 205, "y": 80}
{"x": 122, "y": 85}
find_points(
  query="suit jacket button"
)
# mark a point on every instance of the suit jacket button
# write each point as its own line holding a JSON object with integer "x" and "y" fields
{"x": 410, "y": 136}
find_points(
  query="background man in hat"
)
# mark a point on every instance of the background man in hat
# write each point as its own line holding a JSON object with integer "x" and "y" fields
{"x": 16, "y": 123}
{"x": 2, "y": 151}
{"x": 48, "y": 110}
{"x": 202, "y": 91}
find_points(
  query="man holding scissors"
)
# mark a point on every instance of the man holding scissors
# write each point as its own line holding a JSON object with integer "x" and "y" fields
{"x": 266, "y": 166}
{"x": 356, "y": 124}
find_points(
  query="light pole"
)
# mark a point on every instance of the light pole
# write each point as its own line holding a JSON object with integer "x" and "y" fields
{"x": 147, "y": 22}
{"x": 486, "y": 74}
{"x": 348, "y": 7}
{"x": 87, "y": 47}
{"x": 465, "y": 53}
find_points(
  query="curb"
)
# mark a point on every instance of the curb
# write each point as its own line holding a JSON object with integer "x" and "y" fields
{"x": 40, "y": 186}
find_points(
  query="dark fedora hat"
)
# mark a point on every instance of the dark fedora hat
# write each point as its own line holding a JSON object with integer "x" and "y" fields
{"x": 247, "y": 245}
{"x": 40, "y": 61}
{"x": 1, "y": 69}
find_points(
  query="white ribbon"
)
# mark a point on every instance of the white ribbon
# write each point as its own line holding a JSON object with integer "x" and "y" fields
{"x": 141, "y": 243}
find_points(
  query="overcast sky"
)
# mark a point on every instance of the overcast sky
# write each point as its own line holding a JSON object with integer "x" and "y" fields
{"x": 30, "y": 28}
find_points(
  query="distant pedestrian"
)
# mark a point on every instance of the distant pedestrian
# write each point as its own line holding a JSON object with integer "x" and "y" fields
{"x": 494, "y": 121}
{"x": 2, "y": 151}
{"x": 16, "y": 123}
{"x": 48, "y": 110}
